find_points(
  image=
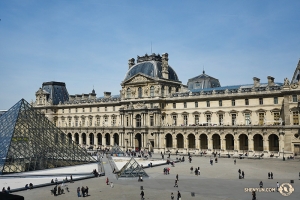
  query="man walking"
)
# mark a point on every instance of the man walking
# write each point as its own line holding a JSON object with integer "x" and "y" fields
{"x": 177, "y": 177}
{"x": 178, "y": 196}
{"x": 176, "y": 183}
{"x": 142, "y": 195}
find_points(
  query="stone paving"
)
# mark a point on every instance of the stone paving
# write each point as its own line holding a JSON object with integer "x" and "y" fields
{"x": 217, "y": 182}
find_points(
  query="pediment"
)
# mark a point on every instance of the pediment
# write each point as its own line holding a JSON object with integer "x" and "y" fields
{"x": 139, "y": 78}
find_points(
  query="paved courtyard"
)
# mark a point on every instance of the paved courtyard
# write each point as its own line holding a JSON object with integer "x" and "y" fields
{"x": 217, "y": 182}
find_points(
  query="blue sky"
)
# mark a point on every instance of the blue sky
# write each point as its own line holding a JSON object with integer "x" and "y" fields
{"x": 88, "y": 43}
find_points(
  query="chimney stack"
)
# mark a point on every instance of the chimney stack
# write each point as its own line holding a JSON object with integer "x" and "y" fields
{"x": 270, "y": 81}
{"x": 165, "y": 66}
{"x": 256, "y": 82}
{"x": 107, "y": 94}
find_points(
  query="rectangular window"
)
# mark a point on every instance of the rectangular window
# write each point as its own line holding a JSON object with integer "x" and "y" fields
{"x": 105, "y": 108}
{"x": 185, "y": 120}
{"x": 76, "y": 110}
{"x": 127, "y": 121}
{"x": 221, "y": 119}
{"x": 275, "y": 100}
{"x": 174, "y": 120}
{"x": 114, "y": 108}
{"x": 294, "y": 98}
{"x": 184, "y": 104}
{"x": 196, "y": 119}
{"x": 295, "y": 118}
{"x": 208, "y": 118}
{"x": 113, "y": 120}
{"x": 247, "y": 102}
{"x": 261, "y": 101}
{"x": 207, "y": 103}
{"x": 174, "y": 105}
{"x": 70, "y": 122}
{"x": 90, "y": 109}
{"x": 69, "y": 110}
{"x": 261, "y": 118}
{"x": 233, "y": 119}
{"x": 63, "y": 122}
{"x": 98, "y": 121}
{"x": 220, "y": 103}
{"x": 233, "y": 102}
{"x": 63, "y": 110}
{"x": 151, "y": 121}
{"x": 163, "y": 106}
{"x": 83, "y": 122}
{"x": 151, "y": 105}
{"x": 82, "y": 109}
{"x": 247, "y": 119}
{"x": 196, "y": 104}
{"x": 276, "y": 118}
{"x": 91, "y": 122}
{"x": 76, "y": 122}
{"x": 105, "y": 120}
{"x": 98, "y": 109}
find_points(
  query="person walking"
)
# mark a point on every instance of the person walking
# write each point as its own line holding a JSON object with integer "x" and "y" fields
{"x": 261, "y": 184}
{"x": 199, "y": 171}
{"x": 234, "y": 161}
{"x": 177, "y": 177}
{"x": 82, "y": 191}
{"x": 243, "y": 174}
{"x": 191, "y": 169}
{"x": 107, "y": 181}
{"x": 277, "y": 187}
{"x": 253, "y": 195}
{"x": 176, "y": 183}
{"x": 178, "y": 196}
{"x": 172, "y": 196}
{"x": 142, "y": 195}
{"x": 269, "y": 175}
{"x": 87, "y": 191}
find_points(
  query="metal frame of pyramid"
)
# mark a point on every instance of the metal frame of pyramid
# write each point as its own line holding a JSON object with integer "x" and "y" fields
{"x": 132, "y": 169}
{"x": 116, "y": 150}
{"x": 29, "y": 142}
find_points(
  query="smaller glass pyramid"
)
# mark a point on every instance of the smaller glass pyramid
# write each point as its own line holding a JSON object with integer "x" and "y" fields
{"x": 29, "y": 142}
{"x": 116, "y": 150}
{"x": 132, "y": 169}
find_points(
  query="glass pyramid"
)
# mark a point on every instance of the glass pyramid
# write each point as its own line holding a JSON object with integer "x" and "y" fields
{"x": 132, "y": 169}
{"x": 116, "y": 150}
{"x": 29, "y": 142}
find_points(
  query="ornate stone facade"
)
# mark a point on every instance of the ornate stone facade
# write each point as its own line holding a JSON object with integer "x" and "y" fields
{"x": 156, "y": 111}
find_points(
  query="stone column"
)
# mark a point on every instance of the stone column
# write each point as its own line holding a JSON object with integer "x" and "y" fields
{"x": 237, "y": 144}
{"x": 250, "y": 143}
{"x": 174, "y": 141}
{"x": 103, "y": 139}
{"x": 95, "y": 139}
{"x": 223, "y": 143}
{"x": 73, "y": 137}
{"x": 80, "y": 139}
{"x": 196, "y": 143}
{"x": 210, "y": 143}
{"x": 142, "y": 140}
{"x": 112, "y": 141}
{"x": 266, "y": 144}
{"x": 200, "y": 146}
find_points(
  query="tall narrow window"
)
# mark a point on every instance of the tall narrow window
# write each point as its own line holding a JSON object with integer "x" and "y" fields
{"x": 90, "y": 109}
{"x": 82, "y": 109}
{"x": 113, "y": 120}
{"x": 196, "y": 104}
{"x": 170, "y": 90}
{"x": 105, "y": 108}
{"x": 185, "y": 120}
{"x": 261, "y": 101}
{"x": 70, "y": 122}
{"x": 63, "y": 110}
{"x": 196, "y": 119}
{"x": 208, "y": 119}
{"x": 127, "y": 121}
{"x": 105, "y": 120}
{"x": 128, "y": 93}
{"x": 184, "y": 104}
{"x": 140, "y": 92}
{"x": 114, "y": 108}
{"x": 163, "y": 91}
{"x": 98, "y": 109}
{"x": 247, "y": 119}
{"x": 296, "y": 118}
{"x": 69, "y": 110}
{"x": 174, "y": 120}
{"x": 220, "y": 103}
{"x": 90, "y": 121}
{"x": 76, "y": 122}
{"x": 207, "y": 103}
{"x": 261, "y": 118}
{"x": 221, "y": 119}
{"x": 247, "y": 102}
{"x": 233, "y": 119}
{"x": 174, "y": 105}
{"x": 275, "y": 100}
{"x": 152, "y": 91}
{"x": 151, "y": 120}
{"x": 98, "y": 121}
{"x": 233, "y": 102}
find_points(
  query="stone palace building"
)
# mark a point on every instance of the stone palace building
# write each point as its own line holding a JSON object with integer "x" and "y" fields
{"x": 156, "y": 111}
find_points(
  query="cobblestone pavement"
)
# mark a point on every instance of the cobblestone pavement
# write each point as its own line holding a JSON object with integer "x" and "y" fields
{"x": 216, "y": 182}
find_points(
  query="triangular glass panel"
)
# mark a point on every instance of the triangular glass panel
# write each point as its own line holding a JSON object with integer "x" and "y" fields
{"x": 132, "y": 169}
{"x": 29, "y": 142}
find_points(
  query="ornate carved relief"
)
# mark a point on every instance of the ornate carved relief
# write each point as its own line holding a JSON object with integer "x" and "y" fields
{"x": 138, "y": 79}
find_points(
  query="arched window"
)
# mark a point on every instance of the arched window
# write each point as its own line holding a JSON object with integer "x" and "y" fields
{"x": 140, "y": 90}
{"x": 152, "y": 91}
{"x": 138, "y": 120}
{"x": 170, "y": 90}
{"x": 128, "y": 93}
